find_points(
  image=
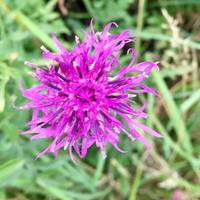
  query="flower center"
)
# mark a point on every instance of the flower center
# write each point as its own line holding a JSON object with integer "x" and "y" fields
{"x": 86, "y": 95}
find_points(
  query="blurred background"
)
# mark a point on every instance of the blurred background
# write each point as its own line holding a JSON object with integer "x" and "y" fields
{"x": 167, "y": 31}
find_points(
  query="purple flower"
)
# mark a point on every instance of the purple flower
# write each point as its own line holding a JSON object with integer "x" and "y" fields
{"x": 83, "y": 93}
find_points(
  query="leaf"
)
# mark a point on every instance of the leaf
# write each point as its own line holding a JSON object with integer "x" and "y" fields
{"x": 10, "y": 171}
{"x": 4, "y": 77}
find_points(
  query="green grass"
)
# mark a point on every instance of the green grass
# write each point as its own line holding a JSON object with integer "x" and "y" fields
{"x": 174, "y": 161}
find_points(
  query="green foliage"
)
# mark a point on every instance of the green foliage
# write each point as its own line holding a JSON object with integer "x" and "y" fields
{"x": 173, "y": 162}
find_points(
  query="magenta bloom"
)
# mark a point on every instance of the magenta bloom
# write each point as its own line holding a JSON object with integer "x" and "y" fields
{"x": 80, "y": 97}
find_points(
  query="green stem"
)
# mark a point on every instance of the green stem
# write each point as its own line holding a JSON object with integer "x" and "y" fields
{"x": 136, "y": 183}
{"x": 141, "y": 9}
{"x": 99, "y": 169}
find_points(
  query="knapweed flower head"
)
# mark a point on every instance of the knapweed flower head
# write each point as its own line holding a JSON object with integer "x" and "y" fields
{"x": 86, "y": 97}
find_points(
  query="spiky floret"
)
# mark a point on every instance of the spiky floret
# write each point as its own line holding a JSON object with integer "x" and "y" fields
{"x": 79, "y": 100}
